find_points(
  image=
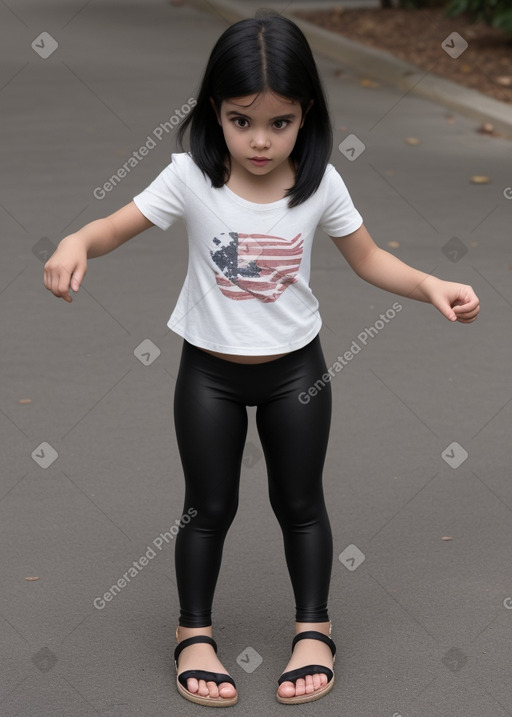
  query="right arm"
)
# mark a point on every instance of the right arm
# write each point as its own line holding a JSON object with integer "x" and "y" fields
{"x": 67, "y": 266}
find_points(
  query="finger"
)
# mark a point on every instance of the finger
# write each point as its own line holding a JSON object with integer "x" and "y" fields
{"x": 470, "y": 311}
{"x": 77, "y": 278}
{"x": 446, "y": 309}
{"x": 62, "y": 285}
{"x": 467, "y": 308}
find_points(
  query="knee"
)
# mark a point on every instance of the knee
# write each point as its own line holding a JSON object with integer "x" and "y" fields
{"x": 297, "y": 510}
{"x": 215, "y": 514}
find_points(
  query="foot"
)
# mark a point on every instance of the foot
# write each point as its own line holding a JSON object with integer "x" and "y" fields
{"x": 308, "y": 652}
{"x": 201, "y": 656}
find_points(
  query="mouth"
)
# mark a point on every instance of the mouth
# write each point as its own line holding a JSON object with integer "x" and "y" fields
{"x": 259, "y": 161}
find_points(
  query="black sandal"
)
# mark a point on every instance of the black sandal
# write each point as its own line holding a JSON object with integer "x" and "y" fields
{"x": 217, "y": 677}
{"x": 301, "y": 672}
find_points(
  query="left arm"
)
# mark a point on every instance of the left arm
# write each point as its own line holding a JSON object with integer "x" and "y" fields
{"x": 458, "y": 302}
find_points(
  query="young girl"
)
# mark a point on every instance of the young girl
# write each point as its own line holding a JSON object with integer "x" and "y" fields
{"x": 252, "y": 191}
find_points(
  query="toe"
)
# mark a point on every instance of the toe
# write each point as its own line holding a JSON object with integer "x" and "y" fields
{"x": 213, "y": 690}
{"x": 203, "y": 689}
{"x": 286, "y": 689}
{"x": 192, "y": 685}
{"x": 226, "y": 690}
{"x": 319, "y": 680}
{"x": 300, "y": 687}
{"x": 309, "y": 684}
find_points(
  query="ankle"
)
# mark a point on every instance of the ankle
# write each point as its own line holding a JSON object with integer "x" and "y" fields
{"x": 324, "y": 627}
{"x": 183, "y": 633}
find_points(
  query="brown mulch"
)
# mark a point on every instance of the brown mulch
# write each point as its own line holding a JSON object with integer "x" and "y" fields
{"x": 416, "y": 36}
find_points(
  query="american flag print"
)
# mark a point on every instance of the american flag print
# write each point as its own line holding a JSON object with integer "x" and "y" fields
{"x": 256, "y": 266}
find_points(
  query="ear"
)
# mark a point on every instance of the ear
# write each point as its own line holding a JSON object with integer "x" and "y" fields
{"x": 310, "y": 105}
{"x": 212, "y": 102}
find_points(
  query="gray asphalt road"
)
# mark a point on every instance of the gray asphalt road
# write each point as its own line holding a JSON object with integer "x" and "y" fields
{"x": 418, "y": 472}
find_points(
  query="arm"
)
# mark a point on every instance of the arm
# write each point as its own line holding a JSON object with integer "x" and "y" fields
{"x": 458, "y": 302}
{"x": 67, "y": 266}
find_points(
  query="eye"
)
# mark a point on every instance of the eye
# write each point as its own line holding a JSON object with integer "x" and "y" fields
{"x": 241, "y": 122}
{"x": 281, "y": 123}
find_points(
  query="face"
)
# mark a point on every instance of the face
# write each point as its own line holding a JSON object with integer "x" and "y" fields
{"x": 260, "y": 132}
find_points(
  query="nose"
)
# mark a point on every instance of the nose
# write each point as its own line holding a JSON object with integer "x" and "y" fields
{"x": 260, "y": 140}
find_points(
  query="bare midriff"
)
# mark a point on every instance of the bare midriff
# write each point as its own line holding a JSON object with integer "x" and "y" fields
{"x": 236, "y": 358}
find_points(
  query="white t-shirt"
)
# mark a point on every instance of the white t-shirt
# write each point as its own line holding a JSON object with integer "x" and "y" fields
{"x": 247, "y": 286}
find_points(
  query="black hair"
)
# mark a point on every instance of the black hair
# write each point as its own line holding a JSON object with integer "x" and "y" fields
{"x": 268, "y": 52}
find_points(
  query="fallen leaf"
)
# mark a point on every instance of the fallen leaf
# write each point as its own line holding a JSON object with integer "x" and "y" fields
{"x": 446, "y": 537}
{"x": 366, "y": 82}
{"x": 31, "y": 578}
{"x": 450, "y": 119}
{"x": 480, "y": 179}
{"x": 466, "y": 69}
{"x": 412, "y": 140}
{"x": 394, "y": 244}
{"x": 486, "y": 128}
{"x": 25, "y": 400}
{"x": 505, "y": 80}
{"x": 390, "y": 172}
{"x": 473, "y": 244}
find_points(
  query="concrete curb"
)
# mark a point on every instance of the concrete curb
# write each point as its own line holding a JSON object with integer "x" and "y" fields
{"x": 381, "y": 65}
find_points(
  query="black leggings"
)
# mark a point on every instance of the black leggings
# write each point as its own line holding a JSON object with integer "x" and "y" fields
{"x": 210, "y": 416}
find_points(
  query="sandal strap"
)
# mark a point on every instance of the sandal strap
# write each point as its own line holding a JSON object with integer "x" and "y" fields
{"x": 192, "y": 641}
{"x": 314, "y": 635}
{"x": 216, "y": 677}
{"x": 293, "y": 675}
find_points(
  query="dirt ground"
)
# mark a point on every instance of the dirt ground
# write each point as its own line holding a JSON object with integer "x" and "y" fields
{"x": 416, "y": 36}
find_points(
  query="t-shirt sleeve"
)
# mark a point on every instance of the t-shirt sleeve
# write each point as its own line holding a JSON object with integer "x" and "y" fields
{"x": 340, "y": 217}
{"x": 163, "y": 201}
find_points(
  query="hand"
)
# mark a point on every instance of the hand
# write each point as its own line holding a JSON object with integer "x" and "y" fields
{"x": 66, "y": 267}
{"x": 458, "y": 302}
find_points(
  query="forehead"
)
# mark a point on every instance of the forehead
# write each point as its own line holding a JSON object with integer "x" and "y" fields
{"x": 262, "y": 103}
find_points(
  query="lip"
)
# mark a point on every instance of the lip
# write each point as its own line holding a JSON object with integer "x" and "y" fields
{"x": 259, "y": 161}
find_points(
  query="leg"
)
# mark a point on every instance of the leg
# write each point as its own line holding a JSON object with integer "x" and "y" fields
{"x": 294, "y": 437}
{"x": 211, "y": 430}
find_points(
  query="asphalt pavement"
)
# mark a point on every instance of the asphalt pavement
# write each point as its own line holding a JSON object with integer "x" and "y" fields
{"x": 417, "y": 476}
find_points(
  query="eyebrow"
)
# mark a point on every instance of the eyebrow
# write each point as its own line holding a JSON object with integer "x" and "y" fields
{"x": 233, "y": 113}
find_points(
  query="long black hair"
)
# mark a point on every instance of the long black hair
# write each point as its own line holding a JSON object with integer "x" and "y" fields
{"x": 268, "y": 52}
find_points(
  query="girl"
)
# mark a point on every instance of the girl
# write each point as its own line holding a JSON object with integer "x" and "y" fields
{"x": 252, "y": 191}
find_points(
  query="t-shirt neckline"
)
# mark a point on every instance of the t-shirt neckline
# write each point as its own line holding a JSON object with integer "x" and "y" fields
{"x": 255, "y": 205}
